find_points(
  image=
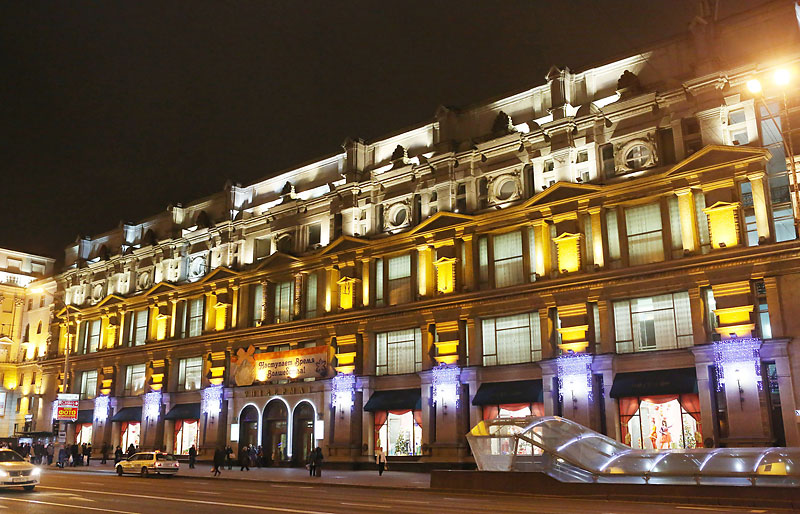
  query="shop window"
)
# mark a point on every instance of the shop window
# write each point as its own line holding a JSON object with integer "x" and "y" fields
{"x": 398, "y": 352}
{"x": 507, "y": 254}
{"x": 511, "y": 339}
{"x": 483, "y": 262}
{"x": 653, "y": 323}
{"x": 645, "y": 240}
{"x": 399, "y": 433}
{"x": 190, "y": 372}
{"x": 134, "y": 379}
{"x": 129, "y": 434}
{"x": 88, "y": 384}
{"x": 284, "y": 299}
{"x": 83, "y": 433}
{"x": 664, "y": 422}
{"x": 186, "y": 432}
{"x": 399, "y": 279}
{"x": 257, "y": 304}
{"x": 311, "y": 295}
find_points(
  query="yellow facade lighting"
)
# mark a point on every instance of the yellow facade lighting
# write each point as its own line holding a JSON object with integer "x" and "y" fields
{"x": 445, "y": 274}
{"x": 568, "y": 250}
{"x": 722, "y": 224}
{"x": 782, "y": 77}
{"x": 754, "y": 86}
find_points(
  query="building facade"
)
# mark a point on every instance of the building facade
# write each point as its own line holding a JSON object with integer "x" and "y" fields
{"x": 617, "y": 245}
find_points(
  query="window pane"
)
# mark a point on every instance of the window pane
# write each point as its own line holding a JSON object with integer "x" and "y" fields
{"x": 398, "y": 352}
{"x": 311, "y": 295}
{"x": 508, "y": 259}
{"x": 258, "y": 301}
{"x": 702, "y": 221}
{"x": 613, "y": 235}
{"x": 675, "y": 224}
{"x": 513, "y": 339}
{"x": 140, "y": 335}
{"x": 645, "y": 241}
{"x": 196, "y": 317}
{"x": 784, "y": 224}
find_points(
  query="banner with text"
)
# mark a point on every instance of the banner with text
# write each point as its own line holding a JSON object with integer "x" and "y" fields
{"x": 301, "y": 363}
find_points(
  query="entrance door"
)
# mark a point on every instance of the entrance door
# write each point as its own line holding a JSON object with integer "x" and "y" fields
{"x": 248, "y": 426}
{"x": 302, "y": 433}
{"x": 275, "y": 436}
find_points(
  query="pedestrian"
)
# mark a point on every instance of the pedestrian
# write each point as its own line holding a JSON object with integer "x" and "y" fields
{"x": 260, "y": 457}
{"x": 229, "y": 456}
{"x": 63, "y": 457}
{"x": 75, "y": 453}
{"x": 192, "y": 456}
{"x": 318, "y": 458}
{"x": 87, "y": 452}
{"x": 253, "y": 454}
{"x": 117, "y": 455}
{"x": 219, "y": 457}
{"x": 51, "y": 450}
{"x": 380, "y": 458}
{"x": 104, "y": 452}
{"x": 131, "y": 450}
{"x": 244, "y": 458}
{"x": 310, "y": 462}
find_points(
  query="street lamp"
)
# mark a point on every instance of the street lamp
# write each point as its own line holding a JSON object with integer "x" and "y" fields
{"x": 782, "y": 77}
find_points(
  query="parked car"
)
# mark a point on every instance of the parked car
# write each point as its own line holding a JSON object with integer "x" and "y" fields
{"x": 149, "y": 463}
{"x": 16, "y": 472}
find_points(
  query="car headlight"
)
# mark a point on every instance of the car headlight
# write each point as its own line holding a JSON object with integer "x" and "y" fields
{"x": 3, "y": 473}
{"x": 36, "y": 471}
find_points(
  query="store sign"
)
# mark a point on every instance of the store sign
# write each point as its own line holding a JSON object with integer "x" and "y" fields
{"x": 67, "y": 407}
{"x": 302, "y": 363}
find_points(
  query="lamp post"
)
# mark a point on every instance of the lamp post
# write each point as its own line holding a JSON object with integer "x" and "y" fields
{"x": 782, "y": 78}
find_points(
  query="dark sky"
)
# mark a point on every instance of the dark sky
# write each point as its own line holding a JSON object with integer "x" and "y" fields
{"x": 113, "y": 110}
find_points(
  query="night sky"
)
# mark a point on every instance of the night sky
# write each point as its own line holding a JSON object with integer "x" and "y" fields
{"x": 111, "y": 111}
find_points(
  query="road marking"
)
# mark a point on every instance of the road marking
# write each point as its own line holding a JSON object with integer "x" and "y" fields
{"x": 188, "y": 500}
{"x": 77, "y": 507}
{"x": 407, "y": 501}
{"x": 366, "y": 505}
{"x": 92, "y": 483}
{"x": 204, "y": 492}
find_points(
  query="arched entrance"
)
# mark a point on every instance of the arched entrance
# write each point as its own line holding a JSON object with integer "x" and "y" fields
{"x": 248, "y": 426}
{"x": 302, "y": 432}
{"x": 275, "y": 434}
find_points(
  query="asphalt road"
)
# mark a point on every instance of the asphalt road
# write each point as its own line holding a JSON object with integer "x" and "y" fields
{"x": 68, "y": 492}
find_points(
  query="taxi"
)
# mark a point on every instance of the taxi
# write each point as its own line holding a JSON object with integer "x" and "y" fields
{"x": 16, "y": 472}
{"x": 148, "y": 463}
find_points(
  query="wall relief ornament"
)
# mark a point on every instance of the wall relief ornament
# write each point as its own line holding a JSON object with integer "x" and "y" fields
{"x": 244, "y": 366}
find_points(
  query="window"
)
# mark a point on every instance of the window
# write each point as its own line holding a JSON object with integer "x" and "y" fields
{"x": 692, "y": 137}
{"x": 314, "y": 234}
{"x": 772, "y": 138}
{"x": 638, "y": 156}
{"x": 506, "y": 189}
{"x": 784, "y": 223}
{"x": 134, "y": 379}
{"x": 763, "y": 310}
{"x": 645, "y": 241}
{"x": 751, "y": 228}
{"x": 41, "y": 301}
{"x": 190, "y": 373}
{"x": 676, "y": 242}
{"x": 653, "y": 323}
{"x": 262, "y": 247}
{"x": 483, "y": 262}
{"x": 88, "y": 384}
{"x": 284, "y": 297}
{"x": 532, "y": 252}
{"x": 257, "y": 303}
{"x": 379, "y": 282}
{"x": 399, "y": 433}
{"x": 461, "y": 198}
{"x": 398, "y": 352}
{"x": 583, "y": 156}
{"x": 549, "y": 165}
{"x": 137, "y": 334}
{"x": 311, "y": 295}
{"x": 702, "y": 221}
{"x": 737, "y": 127}
{"x": 613, "y": 235}
{"x": 93, "y": 338}
{"x": 607, "y": 159}
{"x": 507, "y": 250}
{"x": 399, "y": 276}
{"x": 195, "y": 317}
{"x": 30, "y": 303}
{"x": 511, "y": 339}
{"x": 666, "y": 145}
{"x": 710, "y": 304}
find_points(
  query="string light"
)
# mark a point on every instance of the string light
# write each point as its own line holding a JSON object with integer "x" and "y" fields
{"x": 211, "y": 402}
{"x": 343, "y": 387}
{"x": 445, "y": 380}
{"x": 738, "y": 359}
{"x": 101, "y": 408}
{"x": 575, "y": 374}
{"x": 152, "y": 405}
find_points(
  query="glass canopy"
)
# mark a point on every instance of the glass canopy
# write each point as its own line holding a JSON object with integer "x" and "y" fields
{"x": 570, "y": 452}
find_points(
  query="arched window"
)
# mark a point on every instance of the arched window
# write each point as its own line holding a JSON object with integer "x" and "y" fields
{"x": 39, "y": 328}
{"x": 27, "y": 334}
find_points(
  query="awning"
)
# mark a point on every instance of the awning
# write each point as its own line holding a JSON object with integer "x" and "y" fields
{"x": 498, "y": 393}
{"x": 397, "y": 399}
{"x": 653, "y": 383}
{"x": 85, "y": 416}
{"x": 128, "y": 414}
{"x": 184, "y": 411}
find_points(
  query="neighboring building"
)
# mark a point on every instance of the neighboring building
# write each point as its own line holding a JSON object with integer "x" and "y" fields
{"x": 631, "y": 213}
{"x": 24, "y": 330}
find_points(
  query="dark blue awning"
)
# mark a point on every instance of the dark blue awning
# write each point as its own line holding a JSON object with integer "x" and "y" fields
{"x": 128, "y": 414}
{"x": 396, "y": 399}
{"x": 498, "y": 393}
{"x": 653, "y": 383}
{"x": 85, "y": 416}
{"x": 184, "y": 411}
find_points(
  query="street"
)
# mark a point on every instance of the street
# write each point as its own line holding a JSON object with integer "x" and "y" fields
{"x": 69, "y": 491}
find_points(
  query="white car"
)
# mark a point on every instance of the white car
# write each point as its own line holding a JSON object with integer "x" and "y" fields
{"x": 149, "y": 463}
{"x": 16, "y": 472}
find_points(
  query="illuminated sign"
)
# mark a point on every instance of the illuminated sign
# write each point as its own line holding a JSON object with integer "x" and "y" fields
{"x": 302, "y": 363}
{"x": 67, "y": 407}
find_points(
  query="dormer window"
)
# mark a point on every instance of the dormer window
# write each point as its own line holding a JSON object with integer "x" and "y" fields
{"x": 314, "y": 234}
{"x": 638, "y": 156}
{"x": 549, "y": 165}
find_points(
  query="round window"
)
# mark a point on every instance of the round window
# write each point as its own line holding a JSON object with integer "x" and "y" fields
{"x": 506, "y": 190}
{"x": 637, "y": 157}
{"x": 399, "y": 217}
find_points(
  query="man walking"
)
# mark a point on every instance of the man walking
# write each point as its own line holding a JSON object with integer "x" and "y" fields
{"x": 87, "y": 452}
{"x": 229, "y": 456}
{"x": 218, "y": 460}
{"x": 244, "y": 458}
{"x": 380, "y": 458}
{"x": 192, "y": 456}
{"x": 104, "y": 452}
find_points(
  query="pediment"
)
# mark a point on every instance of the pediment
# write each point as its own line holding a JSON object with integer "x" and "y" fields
{"x": 562, "y": 191}
{"x": 276, "y": 259}
{"x": 220, "y": 273}
{"x": 718, "y": 156}
{"x": 109, "y": 300}
{"x": 67, "y": 310}
{"x": 160, "y": 288}
{"x": 441, "y": 220}
{"x": 343, "y": 244}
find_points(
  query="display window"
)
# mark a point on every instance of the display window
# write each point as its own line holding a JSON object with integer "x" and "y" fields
{"x": 130, "y": 431}
{"x": 83, "y": 433}
{"x": 186, "y": 431}
{"x": 512, "y": 410}
{"x": 399, "y": 433}
{"x": 661, "y": 422}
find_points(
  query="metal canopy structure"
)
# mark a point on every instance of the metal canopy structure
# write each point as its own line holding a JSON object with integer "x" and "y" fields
{"x": 570, "y": 452}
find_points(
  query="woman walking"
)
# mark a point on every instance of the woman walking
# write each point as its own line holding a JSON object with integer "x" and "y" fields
{"x": 219, "y": 458}
{"x": 380, "y": 458}
{"x": 318, "y": 458}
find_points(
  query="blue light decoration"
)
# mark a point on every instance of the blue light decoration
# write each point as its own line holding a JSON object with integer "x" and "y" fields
{"x": 343, "y": 387}
{"x": 152, "y": 405}
{"x": 739, "y": 360}
{"x": 445, "y": 381}
{"x": 211, "y": 402}
{"x": 575, "y": 375}
{"x": 55, "y": 410}
{"x": 101, "y": 409}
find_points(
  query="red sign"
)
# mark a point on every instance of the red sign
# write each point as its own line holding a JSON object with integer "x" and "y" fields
{"x": 67, "y": 410}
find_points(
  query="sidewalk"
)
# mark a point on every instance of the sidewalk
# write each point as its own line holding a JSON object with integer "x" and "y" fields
{"x": 298, "y": 476}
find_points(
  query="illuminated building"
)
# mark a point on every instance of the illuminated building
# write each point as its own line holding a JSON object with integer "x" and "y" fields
{"x": 571, "y": 249}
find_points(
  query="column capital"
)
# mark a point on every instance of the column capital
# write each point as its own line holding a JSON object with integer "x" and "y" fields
{"x": 683, "y": 191}
{"x": 756, "y": 175}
